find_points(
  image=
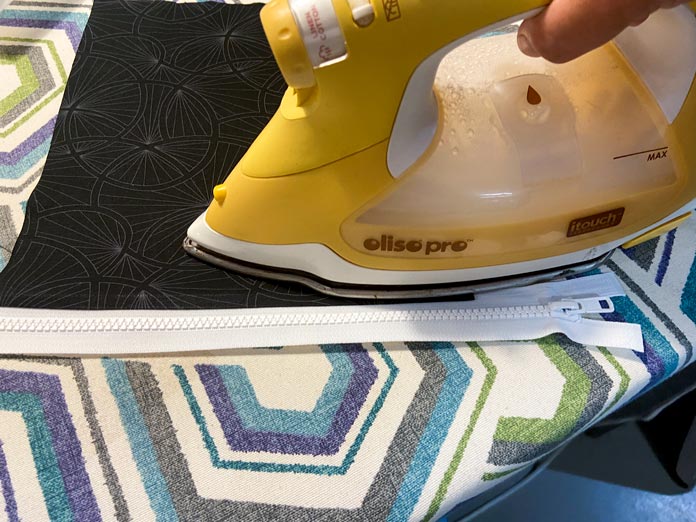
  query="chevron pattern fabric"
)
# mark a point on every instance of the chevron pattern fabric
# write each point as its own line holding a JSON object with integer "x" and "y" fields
{"x": 364, "y": 432}
{"x": 38, "y": 40}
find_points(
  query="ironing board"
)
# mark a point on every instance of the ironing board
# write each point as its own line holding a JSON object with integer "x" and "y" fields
{"x": 361, "y": 432}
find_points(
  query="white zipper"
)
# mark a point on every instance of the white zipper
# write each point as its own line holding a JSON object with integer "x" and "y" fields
{"x": 517, "y": 314}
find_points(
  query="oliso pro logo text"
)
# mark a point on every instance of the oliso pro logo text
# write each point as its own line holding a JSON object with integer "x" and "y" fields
{"x": 386, "y": 243}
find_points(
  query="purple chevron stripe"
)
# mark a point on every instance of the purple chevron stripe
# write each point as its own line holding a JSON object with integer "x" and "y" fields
{"x": 666, "y": 255}
{"x": 7, "y": 489}
{"x": 242, "y": 439}
{"x": 64, "y": 437}
{"x": 649, "y": 357}
{"x": 33, "y": 141}
{"x": 652, "y": 361}
{"x": 73, "y": 30}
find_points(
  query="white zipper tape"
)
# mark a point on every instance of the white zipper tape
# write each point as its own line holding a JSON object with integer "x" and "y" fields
{"x": 499, "y": 316}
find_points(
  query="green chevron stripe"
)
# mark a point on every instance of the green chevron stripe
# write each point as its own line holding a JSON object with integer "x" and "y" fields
{"x": 576, "y": 391}
{"x": 487, "y": 477}
{"x": 491, "y": 373}
{"x": 51, "y": 49}
{"x": 47, "y": 100}
{"x": 625, "y": 377}
{"x": 28, "y": 81}
{"x": 586, "y": 382}
{"x": 36, "y": 109}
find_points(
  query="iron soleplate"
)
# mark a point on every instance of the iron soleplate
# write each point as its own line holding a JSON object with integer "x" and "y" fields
{"x": 386, "y": 292}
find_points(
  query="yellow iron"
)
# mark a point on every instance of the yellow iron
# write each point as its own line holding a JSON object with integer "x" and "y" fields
{"x": 418, "y": 153}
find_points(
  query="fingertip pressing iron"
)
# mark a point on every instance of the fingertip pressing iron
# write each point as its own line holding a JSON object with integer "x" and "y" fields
{"x": 418, "y": 153}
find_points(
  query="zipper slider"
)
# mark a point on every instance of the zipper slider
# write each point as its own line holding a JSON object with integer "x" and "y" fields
{"x": 574, "y": 309}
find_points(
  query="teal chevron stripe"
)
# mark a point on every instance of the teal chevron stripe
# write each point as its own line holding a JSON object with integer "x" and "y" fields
{"x": 139, "y": 440}
{"x": 655, "y": 348}
{"x": 688, "y": 299}
{"x": 20, "y": 168}
{"x": 79, "y": 18}
{"x": 574, "y": 397}
{"x": 491, "y": 374}
{"x": 41, "y": 444}
{"x": 288, "y": 468}
{"x": 668, "y": 357}
{"x": 450, "y": 397}
{"x": 317, "y": 422}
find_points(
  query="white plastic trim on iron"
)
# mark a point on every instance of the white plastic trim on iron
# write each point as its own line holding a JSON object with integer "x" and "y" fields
{"x": 323, "y": 263}
{"x": 664, "y": 59}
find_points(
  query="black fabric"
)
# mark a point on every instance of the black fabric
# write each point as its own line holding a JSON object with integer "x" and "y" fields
{"x": 658, "y": 455}
{"x": 162, "y": 102}
{"x": 672, "y": 436}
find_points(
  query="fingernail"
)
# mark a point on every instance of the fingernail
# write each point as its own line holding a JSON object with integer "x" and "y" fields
{"x": 526, "y": 46}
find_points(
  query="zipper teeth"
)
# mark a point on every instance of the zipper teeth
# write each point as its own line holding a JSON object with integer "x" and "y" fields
{"x": 264, "y": 320}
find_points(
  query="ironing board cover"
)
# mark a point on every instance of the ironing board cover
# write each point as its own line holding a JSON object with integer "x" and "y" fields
{"x": 360, "y": 432}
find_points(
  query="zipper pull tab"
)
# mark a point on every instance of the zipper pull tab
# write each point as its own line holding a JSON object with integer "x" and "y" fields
{"x": 576, "y": 308}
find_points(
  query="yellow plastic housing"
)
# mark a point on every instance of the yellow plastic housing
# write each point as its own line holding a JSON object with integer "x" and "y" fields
{"x": 320, "y": 166}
